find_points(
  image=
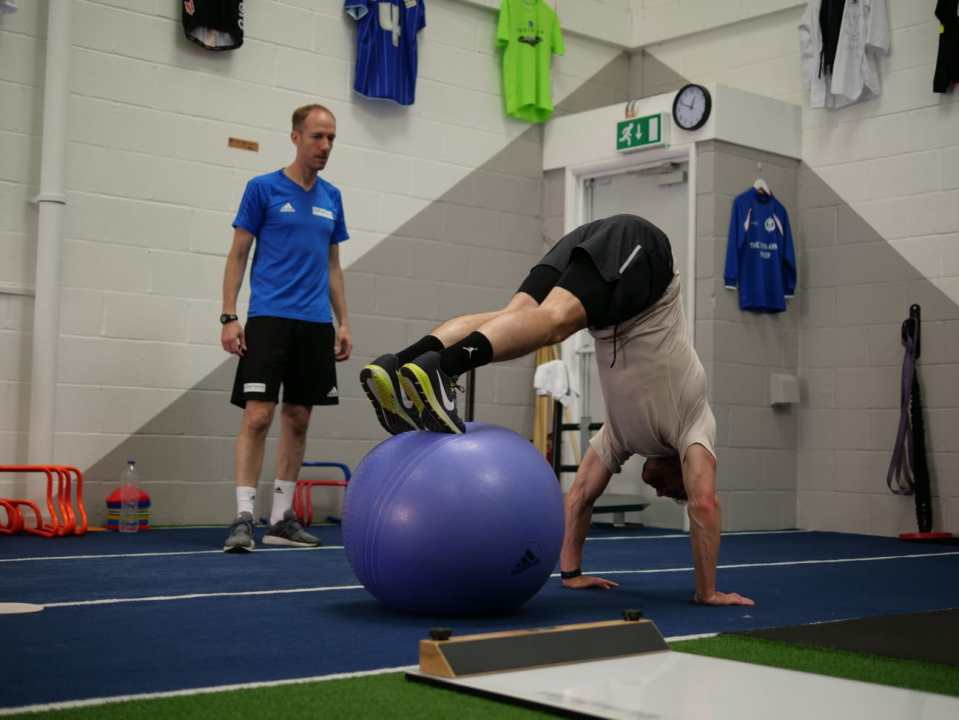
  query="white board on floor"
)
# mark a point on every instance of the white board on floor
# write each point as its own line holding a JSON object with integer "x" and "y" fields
{"x": 671, "y": 685}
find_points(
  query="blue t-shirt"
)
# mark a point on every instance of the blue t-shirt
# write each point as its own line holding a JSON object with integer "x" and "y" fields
{"x": 294, "y": 229}
{"x": 386, "y": 55}
{"x": 760, "y": 258}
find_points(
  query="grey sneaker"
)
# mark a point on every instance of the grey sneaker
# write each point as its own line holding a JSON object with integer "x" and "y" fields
{"x": 289, "y": 532}
{"x": 241, "y": 535}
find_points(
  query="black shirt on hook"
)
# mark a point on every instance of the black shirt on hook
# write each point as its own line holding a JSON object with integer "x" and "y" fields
{"x": 947, "y": 65}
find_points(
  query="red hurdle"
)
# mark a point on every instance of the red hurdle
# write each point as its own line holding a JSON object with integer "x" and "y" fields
{"x": 303, "y": 493}
{"x": 60, "y": 503}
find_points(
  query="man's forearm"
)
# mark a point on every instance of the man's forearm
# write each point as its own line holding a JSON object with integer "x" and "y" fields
{"x": 579, "y": 513}
{"x": 338, "y": 296}
{"x": 704, "y": 524}
{"x": 232, "y": 281}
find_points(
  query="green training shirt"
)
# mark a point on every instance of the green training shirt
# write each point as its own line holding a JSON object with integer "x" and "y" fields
{"x": 529, "y": 32}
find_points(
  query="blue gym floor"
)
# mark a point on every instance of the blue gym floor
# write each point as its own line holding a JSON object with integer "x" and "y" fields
{"x": 166, "y": 610}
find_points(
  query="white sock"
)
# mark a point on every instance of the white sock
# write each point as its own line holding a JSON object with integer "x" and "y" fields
{"x": 245, "y": 499}
{"x": 282, "y": 499}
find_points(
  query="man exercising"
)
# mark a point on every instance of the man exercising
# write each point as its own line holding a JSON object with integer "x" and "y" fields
{"x": 614, "y": 276}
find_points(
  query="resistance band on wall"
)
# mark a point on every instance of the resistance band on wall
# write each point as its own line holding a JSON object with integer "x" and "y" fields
{"x": 908, "y": 471}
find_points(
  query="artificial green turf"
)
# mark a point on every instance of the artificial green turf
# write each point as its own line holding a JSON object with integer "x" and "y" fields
{"x": 376, "y": 696}
{"x": 909, "y": 674}
{"x": 392, "y": 696}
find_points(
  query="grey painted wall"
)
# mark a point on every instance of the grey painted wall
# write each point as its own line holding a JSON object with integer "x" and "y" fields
{"x": 856, "y": 291}
{"x": 465, "y": 253}
{"x": 740, "y": 350}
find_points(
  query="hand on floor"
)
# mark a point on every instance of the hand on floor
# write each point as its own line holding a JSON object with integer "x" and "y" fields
{"x": 587, "y": 582}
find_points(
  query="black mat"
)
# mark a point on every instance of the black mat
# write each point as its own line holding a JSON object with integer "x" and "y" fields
{"x": 927, "y": 636}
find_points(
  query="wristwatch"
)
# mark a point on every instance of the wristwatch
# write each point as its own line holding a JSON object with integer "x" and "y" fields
{"x": 227, "y": 318}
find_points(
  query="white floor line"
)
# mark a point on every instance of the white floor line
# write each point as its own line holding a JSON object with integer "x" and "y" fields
{"x": 686, "y": 535}
{"x": 339, "y": 588}
{"x": 784, "y": 563}
{"x": 41, "y": 558}
{"x": 89, "y": 702}
{"x": 200, "y": 596}
{"x": 172, "y": 553}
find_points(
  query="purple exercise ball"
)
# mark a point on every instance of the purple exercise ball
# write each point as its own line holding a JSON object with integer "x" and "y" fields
{"x": 453, "y": 524}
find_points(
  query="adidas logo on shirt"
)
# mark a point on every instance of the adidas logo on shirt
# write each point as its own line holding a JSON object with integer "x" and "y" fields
{"x": 287, "y": 208}
{"x": 332, "y": 393}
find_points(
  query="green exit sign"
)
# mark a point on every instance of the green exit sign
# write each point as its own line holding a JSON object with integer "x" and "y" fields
{"x": 641, "y": 133}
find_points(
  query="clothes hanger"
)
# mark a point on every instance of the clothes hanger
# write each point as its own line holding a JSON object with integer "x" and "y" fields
{"x": 760, "y": 184}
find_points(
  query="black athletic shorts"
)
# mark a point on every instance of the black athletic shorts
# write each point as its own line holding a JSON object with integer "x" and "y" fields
{"x": 296, "y": 354}
{"x": 581, "y": 278}
{"x": 634, "y": 253}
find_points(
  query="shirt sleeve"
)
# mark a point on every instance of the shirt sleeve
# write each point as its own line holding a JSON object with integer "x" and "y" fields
{"x": 790, "y": 271}
{"x": 808, "y": 52}
{"x": 252, "y": 211}
{"x": 502, "y": 25}
{"x": 556, "y": 42}
{"x": 421, "y": 22}
{"x": 339, "y": 230}
{"x": 878, "y": 34}
{"x": 356, "y": 9}
{"x": 737, "y": 235}
{"x": 612, "y": 455}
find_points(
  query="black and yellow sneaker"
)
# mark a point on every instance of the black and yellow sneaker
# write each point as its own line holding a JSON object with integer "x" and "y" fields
{"x": 395, "y": 411}
{"x": 433, "y": 392}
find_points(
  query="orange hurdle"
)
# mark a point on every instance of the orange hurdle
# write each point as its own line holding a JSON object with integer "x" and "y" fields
{"x": 14, "y": 518}
{"x": 64, "y": 522}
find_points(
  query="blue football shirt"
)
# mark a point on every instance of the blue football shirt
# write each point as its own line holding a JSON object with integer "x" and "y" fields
{"x": 294, "y": 229}
{"x": 386, "y": 53}
{"x": 760, "y": 257}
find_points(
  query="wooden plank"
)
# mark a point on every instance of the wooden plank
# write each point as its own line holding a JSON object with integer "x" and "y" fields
{"x": 515, "y": 649}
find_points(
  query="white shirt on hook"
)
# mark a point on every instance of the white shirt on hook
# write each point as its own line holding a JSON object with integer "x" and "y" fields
{"x": 863, "y": 37}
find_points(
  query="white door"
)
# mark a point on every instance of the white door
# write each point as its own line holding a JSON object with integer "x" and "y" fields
{"x": 661, "y": 196}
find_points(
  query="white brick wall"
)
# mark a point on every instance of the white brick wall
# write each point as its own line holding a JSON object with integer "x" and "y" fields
{"x": 152, "y": 188}
{"x": 880, "y": 230}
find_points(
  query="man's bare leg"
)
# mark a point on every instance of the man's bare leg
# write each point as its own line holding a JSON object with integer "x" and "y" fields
{"x": 294, "y": 424}
{"x": 251, "y": 442}
{"x": 427, "y": 380}
{"x": 699, "y": 477}
{"x": 454, "y": 330}
{"x": 248, "y": 461}
{"x": 524, "y": 330}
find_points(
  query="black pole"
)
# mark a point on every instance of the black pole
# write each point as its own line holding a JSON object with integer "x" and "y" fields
{"x": 920, "y": 469}
{"x": 557, "y": 437}
{"x": 471, "y": 396}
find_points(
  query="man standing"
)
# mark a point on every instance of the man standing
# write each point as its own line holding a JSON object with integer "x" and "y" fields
{"x": 297, "y": 221}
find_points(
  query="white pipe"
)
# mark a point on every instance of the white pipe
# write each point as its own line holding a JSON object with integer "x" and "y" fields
{"x": 52, "y": 205}
{"x": 690, "y": 293}
{"x": 691, "y": 242}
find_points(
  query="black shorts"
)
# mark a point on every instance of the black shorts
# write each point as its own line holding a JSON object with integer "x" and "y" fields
{"x": 296, "y": 354}
{"x": 606, "y": 303}
{"x": 617, "y": 267}
{"x": 581, "y": 278}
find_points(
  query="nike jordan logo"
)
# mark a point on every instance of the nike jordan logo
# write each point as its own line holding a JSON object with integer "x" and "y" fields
{"x": 447, "y": 403}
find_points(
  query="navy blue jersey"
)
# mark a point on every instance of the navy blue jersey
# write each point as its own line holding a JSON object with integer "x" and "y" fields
{"x": 294, "y": 229}
{"x": 760, "y": 259}
{"x": 386, "y": 54}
